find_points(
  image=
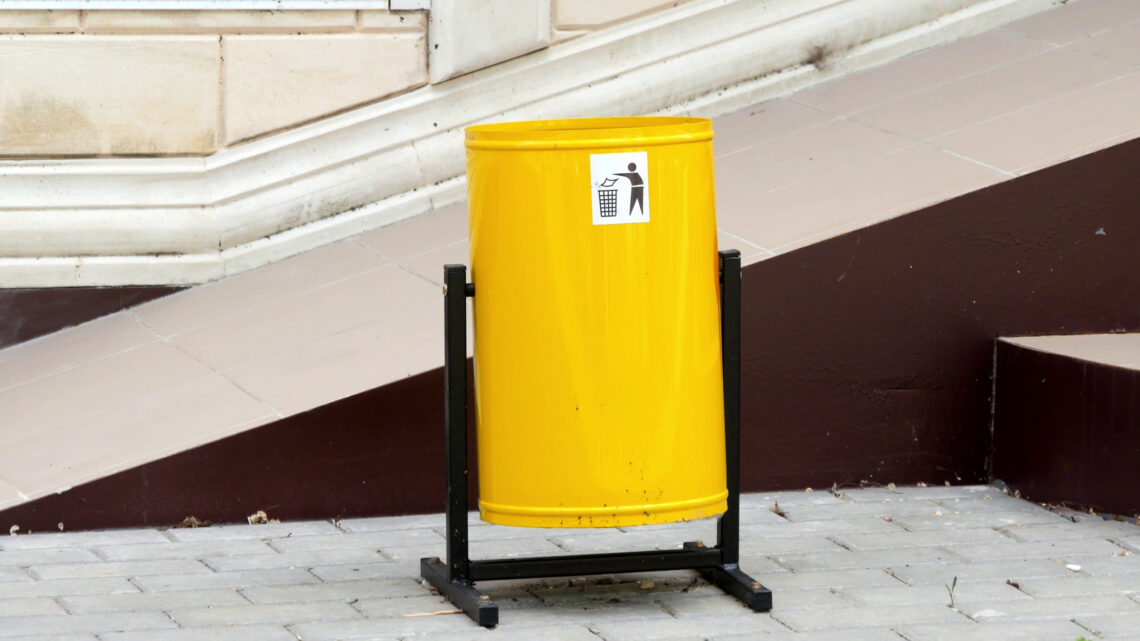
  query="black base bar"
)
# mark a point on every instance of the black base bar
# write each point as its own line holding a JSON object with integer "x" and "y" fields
{"x": 582, "y": 564}
{"x": 463, "y": 594}
{"x": 730, "y": 578}
{"x": 456, "y": 577}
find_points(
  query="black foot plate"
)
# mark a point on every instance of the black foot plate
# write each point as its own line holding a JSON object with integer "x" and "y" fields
{"x": 463, "y": 594}
{"x": 730, "y": 578}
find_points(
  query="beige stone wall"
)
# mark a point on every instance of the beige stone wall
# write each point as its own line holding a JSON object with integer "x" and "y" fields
{"x": 576, "y": 15}
{"x": 185, "y": 85}
{"x": 125, "y": 83}
{"x": 176, "y": 83}
{"x": 572, "y": 18}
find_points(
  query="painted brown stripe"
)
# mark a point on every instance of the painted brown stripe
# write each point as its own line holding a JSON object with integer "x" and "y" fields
{"x": 378, "y": 452}
{"x": 867, "y": 357}
{"x": 28, "y": 313}
{"x": 1066, "y": 430}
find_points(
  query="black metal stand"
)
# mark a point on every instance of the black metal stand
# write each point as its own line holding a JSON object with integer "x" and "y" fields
{"x": 720, "y": 565}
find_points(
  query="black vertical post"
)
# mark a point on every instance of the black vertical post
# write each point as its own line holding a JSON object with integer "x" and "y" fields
{"x": 455, "y": 417}
{"x": 728, "y": 527}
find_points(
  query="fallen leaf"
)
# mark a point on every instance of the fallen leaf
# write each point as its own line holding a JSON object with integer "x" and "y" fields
{"x": 192, "y": 521}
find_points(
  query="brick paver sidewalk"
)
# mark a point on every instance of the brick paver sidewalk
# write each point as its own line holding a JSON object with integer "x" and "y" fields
{"x": 857, "y": 565}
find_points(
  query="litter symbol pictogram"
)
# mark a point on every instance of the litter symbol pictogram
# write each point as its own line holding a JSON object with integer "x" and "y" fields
{"x": 620, "y": 185}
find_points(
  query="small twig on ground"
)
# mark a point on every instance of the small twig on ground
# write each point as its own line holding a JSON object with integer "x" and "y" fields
{"x": 432, "y": 614}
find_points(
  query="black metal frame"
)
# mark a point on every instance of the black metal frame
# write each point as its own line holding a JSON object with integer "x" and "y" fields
{"x": 455, "y": 579}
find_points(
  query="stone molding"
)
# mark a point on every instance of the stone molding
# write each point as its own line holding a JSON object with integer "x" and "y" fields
{"x": 175, "y": 221}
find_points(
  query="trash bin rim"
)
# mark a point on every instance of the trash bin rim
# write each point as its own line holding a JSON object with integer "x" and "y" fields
{"x": 581, "y": 133}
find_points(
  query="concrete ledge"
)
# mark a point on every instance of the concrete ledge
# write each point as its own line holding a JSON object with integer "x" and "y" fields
{"x": 1067, "y": 419}
{"x": 181, "y": 221}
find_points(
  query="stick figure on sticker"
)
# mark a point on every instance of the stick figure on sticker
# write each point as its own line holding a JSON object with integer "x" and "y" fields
{"x": 636, "y": 188}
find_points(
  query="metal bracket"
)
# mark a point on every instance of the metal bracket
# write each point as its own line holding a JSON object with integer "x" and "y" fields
{"x": 456, "y": 577}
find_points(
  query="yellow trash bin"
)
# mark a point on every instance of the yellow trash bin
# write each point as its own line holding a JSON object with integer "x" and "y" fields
{"x": 598, "y": 382}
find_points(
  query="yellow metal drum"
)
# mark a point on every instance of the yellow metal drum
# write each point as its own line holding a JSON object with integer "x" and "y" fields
{"x": 597, "y": 332}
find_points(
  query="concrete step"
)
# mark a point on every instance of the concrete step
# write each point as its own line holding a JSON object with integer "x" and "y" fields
{"x": 1067, "y": 419}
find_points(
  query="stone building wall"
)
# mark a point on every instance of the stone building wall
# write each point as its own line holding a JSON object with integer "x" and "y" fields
{"x": 98, "y": 83}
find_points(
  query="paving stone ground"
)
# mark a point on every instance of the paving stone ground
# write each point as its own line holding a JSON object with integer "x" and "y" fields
{"x": 870, "y": 564}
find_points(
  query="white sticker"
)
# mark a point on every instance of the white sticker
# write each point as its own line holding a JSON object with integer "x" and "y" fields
{"x": 619, "y": 188}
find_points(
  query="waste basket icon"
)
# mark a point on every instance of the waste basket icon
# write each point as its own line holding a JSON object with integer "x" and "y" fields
{"x": 607, "y": 200}
{"x": 598, "y": 384}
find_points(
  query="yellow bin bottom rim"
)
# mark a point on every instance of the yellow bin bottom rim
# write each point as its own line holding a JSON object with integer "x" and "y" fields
{"x": 594, "y": 517}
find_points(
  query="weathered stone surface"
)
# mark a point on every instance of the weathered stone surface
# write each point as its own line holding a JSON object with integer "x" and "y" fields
{"x": 108, "y": 95}
{"x": 39, "y": 21}
{"x": 859, "y": 617}
{"x": 272, "y": 82}
{"x": 578, "y": 14}
{"x": 393, "y": 20}
{"x": 1056, "y": 630}
{"x": 218, "y": 21}
{"x": 358, "y": 579}
{"x": 280, "y": 614}
{"x": 220, "y": 633}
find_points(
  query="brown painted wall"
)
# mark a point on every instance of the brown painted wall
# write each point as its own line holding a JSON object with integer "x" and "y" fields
{"x": 869, "y": 356}
{"x": 379, "y": 452}
{"x": 28, "y": 313}
{"x": 1067, "y": 431}
{"x": 866, "y": 357}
